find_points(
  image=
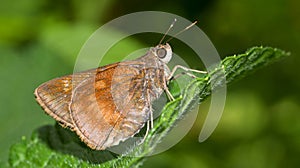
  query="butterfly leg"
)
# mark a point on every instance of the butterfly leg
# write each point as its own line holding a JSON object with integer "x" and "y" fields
{"x": 149, "y": 122}
{"x": 170, "y": 96}
{"x": 187, "y": 70}
{"x": 146, "y": 134}
{"x": 151, "y": 111}
{"x": 166, "y": 89}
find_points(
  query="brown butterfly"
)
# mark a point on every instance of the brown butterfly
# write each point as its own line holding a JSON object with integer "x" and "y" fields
{"x": 109, "y": 104}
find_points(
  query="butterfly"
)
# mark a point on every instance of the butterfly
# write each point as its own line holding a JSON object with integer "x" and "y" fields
{"x": 109, "y": 104}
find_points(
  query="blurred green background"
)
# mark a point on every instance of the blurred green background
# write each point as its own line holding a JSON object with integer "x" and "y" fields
{"x": 260, "y": 127}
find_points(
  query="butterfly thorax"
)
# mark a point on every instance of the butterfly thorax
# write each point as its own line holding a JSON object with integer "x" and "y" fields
{"x": 156, "y": 73}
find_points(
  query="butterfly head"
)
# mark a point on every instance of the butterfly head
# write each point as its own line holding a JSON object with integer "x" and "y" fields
{"x": 163, "y": 52}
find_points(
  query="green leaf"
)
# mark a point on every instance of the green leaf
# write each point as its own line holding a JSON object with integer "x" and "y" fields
{"x": 54, "y": 146}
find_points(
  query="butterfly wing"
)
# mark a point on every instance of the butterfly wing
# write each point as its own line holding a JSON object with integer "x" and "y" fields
{"x": 54, "y": 96}
{"x": 111, "y": 106}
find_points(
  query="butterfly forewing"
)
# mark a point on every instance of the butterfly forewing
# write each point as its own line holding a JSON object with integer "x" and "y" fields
{"x": 111, "y": 106}
{"x": 55, "y": 96}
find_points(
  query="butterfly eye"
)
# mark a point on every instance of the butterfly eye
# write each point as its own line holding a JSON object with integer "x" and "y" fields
{"x": 161, "y": 53}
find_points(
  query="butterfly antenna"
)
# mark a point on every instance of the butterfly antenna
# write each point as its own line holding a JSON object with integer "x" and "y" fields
{"x": 168, "y": 30}
{"x": 183, "y": 30}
